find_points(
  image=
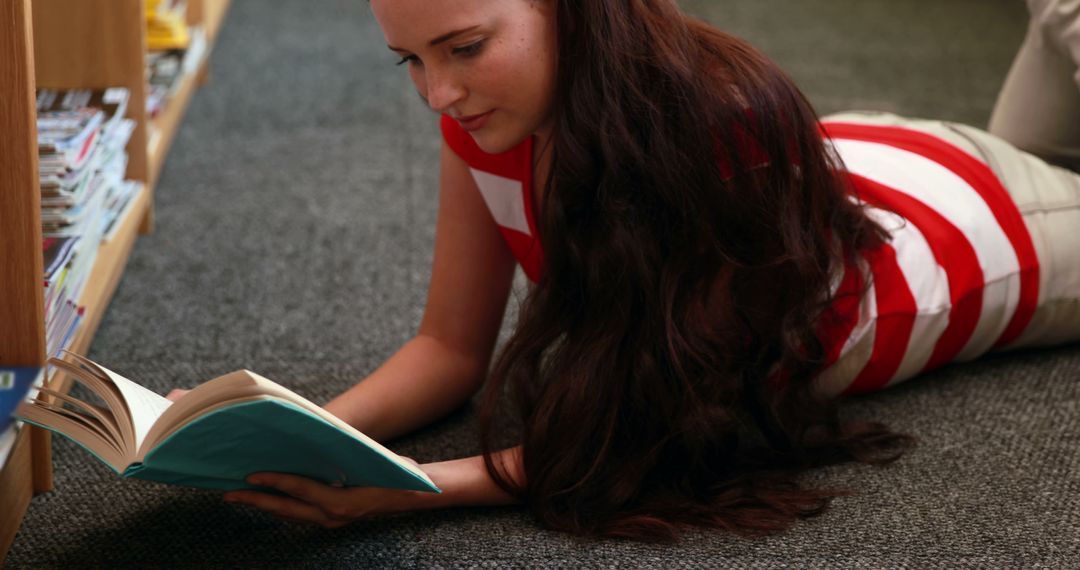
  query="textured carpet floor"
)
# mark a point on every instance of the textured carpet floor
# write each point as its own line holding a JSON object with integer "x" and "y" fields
{"x": 295, "y": 220}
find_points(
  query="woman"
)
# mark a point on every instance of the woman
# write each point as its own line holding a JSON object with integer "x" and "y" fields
{"x": 707, "y": 274}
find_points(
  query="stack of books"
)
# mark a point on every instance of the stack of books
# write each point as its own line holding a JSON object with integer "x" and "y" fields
{"x": 166, "y": 25}
{"x": 81, "y": 140}
{"x": 175, "y": 50}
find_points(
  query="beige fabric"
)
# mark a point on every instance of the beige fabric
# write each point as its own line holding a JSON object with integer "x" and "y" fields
{"x": 1048, "y": 198}
{"x": 1038, "y": 109}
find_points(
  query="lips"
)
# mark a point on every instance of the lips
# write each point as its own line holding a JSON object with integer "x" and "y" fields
{"x": 474, "y": 122}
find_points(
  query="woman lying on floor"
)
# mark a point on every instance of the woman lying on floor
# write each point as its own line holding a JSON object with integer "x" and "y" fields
{"x": 709, "y": 272}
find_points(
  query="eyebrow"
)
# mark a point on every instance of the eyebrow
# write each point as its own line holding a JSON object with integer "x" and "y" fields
{"x": 443, "y": 38}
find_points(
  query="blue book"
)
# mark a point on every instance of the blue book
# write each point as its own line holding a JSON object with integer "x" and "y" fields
{"x": 14, "y": 384}
{"x": 215, "y": 435}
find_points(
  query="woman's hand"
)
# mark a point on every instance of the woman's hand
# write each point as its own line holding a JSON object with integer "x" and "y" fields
{"x": 464, "y": 482}
{"x": 325, "y": 505}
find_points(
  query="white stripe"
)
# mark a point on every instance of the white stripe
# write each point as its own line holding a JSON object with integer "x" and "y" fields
{"x": 505, "y": 198}
{"x": 928, "y": 284}
{"x": 959, "y": 203}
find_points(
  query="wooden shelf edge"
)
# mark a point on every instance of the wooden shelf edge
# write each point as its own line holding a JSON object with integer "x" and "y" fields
{"x": 108, "y": 267}
{"x": 213, "y": 16}
{"x": 167, "y": 123}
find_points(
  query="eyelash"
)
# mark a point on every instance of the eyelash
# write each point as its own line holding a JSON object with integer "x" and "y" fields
{"x": 470, "y": 50}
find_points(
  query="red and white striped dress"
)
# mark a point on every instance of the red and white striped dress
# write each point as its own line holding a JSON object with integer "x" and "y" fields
{"x": 959, "y": 276}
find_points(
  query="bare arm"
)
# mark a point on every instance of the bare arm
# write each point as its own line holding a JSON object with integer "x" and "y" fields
{"x": 464, "y": 482}
{"x": 447, "y": 361}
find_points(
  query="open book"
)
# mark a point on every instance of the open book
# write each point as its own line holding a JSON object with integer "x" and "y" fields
{"x": 216, "y": 434}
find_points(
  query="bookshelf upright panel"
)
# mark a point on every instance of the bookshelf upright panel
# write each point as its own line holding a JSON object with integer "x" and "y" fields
{"x": 96, "y": 44}
{"x": 22, "y": 304}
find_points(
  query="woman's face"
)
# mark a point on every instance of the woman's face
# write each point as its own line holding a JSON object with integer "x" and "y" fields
{"x": 490, "y": 64}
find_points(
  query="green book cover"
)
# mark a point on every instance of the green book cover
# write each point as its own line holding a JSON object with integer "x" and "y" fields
{"x": 216, "y": 434}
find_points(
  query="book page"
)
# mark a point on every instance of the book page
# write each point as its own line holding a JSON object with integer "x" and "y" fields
{"x": 77, "y": 428}
{"x": 144, "y": 405}
{"x": 95, "y": 427}
{"x": 103, "y": 416}
{"x": 91, "y": 376}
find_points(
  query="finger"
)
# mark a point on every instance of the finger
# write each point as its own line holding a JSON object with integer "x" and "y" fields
{"x": 284, "y": 507}
{"x": 307, "y": 490}
{"x": 176, "y": 394}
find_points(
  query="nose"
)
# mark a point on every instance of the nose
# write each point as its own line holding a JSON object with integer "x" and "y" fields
{"x": 444, "y": 89}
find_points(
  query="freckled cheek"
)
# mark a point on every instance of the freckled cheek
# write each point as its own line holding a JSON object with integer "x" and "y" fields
{"x": 491, "y": 79}
{"x": 510, "y": 79}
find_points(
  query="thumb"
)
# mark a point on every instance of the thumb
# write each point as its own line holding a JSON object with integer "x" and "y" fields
{"x": 176, "y": 394}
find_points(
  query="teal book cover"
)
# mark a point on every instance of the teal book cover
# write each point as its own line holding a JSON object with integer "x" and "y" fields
{"x": 215, "y": 435}
{"x": 219, "y": 449}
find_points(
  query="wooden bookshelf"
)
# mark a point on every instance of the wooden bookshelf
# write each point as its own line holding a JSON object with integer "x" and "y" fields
{"x": 68, "y": 44}
{"x": 22, "y": 310}
{"x": 210, "y": 14}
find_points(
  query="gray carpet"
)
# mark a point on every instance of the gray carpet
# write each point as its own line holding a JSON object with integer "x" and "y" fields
{"x": 295, "y": 220}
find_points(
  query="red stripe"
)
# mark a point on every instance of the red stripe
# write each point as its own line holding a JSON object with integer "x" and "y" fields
{"x": 87, "y": 145}
{"x": 896, "y": 318}
{"x": 515, "y": 164}
{"x": 986, "y": 183}
{"x": 506, "y": 164}
{"x": 952, "y": 251}
{"x": 526, "y": 250}
{"x": 838, "y": 320}
{"x": 532, "y": 261}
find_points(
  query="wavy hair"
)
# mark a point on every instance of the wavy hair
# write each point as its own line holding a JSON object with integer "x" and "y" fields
{"x": 662, "y": 368}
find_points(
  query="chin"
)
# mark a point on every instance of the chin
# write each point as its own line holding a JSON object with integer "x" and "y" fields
{"x": 494, "y": 142}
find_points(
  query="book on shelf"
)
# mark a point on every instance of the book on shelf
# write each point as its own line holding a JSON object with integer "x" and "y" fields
{"x": 82, "y": 134}
{"x": 65, "y": 139}
{"x": 119, "y": 207}
{"x": 57, "y": 253}
{"x": 15, "y": 383}
{"x": 215, "y": 435}
{"x": 166, "y": 25}
{"x": 69, "y": 186}
{"x": 60, "y": 329}
{"x": 169, "y": 61}
{"x": 69, "y": 122}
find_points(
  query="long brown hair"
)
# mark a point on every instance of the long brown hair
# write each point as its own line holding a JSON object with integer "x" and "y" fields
{"x": 662, "y": 367}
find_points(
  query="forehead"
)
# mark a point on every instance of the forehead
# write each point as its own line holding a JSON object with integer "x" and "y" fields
{"x": 406, "y": 22}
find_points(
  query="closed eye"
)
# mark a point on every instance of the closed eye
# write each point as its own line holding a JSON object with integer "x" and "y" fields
{"x": 469, "y": 50}
{"x": 408, "y": 59}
